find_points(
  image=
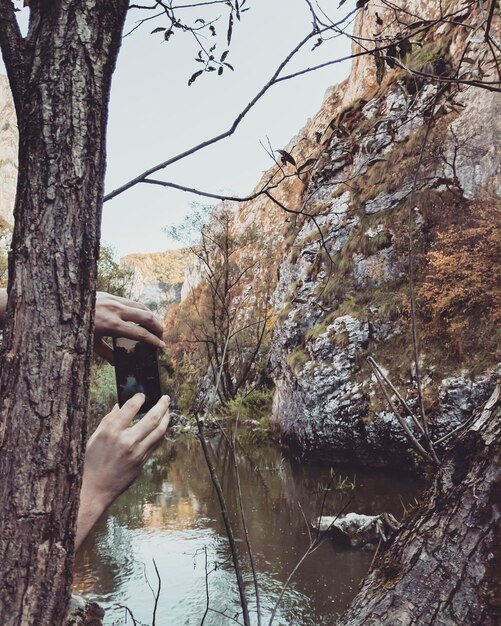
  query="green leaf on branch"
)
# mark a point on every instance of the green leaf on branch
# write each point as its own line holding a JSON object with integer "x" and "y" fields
{"x": 194, "y": 77}
{"x": 286, "y": 157}
{"x": 230, "y": 29}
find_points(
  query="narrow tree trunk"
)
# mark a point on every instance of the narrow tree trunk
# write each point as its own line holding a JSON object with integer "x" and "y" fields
{"x": 441, "y": 566}
{"x": 60, "y": 77}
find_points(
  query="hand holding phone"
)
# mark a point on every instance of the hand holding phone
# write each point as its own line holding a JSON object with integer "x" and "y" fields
{"x": 136, "y": 371}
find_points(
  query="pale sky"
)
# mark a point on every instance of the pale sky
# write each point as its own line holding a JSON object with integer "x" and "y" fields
{"x": 154, "y": 114}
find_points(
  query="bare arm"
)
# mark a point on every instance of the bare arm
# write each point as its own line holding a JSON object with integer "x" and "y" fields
{"x": 115, "y": 317}
{"x": 115, "y": 455}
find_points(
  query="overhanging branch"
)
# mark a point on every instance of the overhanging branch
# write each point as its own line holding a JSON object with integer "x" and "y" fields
{"x": 228, "y": 133}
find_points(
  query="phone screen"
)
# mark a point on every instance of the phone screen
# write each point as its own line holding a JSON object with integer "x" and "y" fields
{"x": 136, "y": 370}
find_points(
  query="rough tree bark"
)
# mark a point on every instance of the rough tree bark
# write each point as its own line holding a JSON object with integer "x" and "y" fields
{"x": 60, "y": 78}
{"x": 440, "y": 567}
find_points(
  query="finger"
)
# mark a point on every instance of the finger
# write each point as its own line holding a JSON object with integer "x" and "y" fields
{"x": 129, "y": 330}
{"x": 103, "y": 298}
{"x": 151, "y": 420}
{"x": 127, "y": 302}
{"x": 154, "y": 439}
{"x": 104, "y": 350}
{"x": 125, "y": 415}
{"x": 146, "y": 319}
{"x": 109, "y": 417}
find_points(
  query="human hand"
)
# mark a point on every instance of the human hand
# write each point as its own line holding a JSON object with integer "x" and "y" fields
{"x": 116, "y": 452}
{"x": 115, "y": 455}
{"x": 119, "y": 317}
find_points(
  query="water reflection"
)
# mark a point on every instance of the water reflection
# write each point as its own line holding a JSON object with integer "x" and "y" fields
{"x": 172, "y": 515}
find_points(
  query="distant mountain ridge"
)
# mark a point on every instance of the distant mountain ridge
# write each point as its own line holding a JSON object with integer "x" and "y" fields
{"x": 158, "y": 276}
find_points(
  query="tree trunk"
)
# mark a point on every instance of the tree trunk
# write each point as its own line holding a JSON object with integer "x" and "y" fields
{"x": 440, "y": 567}
{"x": 60, "y": 78}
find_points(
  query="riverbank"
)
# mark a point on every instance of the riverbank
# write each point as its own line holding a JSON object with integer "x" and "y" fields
{"x": 171, "y": 515}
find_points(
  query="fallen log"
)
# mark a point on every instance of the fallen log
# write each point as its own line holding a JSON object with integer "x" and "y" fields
{"x": 440, "y": 567}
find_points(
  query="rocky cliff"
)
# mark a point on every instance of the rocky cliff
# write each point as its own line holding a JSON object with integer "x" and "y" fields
{"x": 8, "y": 152}
{"x": 402, "y": 145}
{"x": 389, "y": 148}
{"x": 158, "y": 277}
{"x": 391, "y": 152}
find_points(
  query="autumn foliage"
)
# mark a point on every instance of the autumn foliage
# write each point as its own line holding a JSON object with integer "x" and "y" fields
{"x": 216, "y": 336}
{"x": 460, "y": 292}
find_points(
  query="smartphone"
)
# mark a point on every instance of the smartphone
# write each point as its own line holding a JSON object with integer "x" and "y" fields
{"x": 136, "y": 371}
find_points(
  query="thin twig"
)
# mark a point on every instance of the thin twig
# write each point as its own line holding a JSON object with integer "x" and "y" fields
{"x": 397, "y": 393}
{"x": 226, "y": 520}
{"x": 244, "y": 521}
{"x": 402, "y": 422}
{"x": 233, "y": 619}
{"x": 489, "y": 19}
{"x": 127, "y": 611}
{"x": 312, "y": 547}
{"x": 375, "y": 554}
{"x": 157, "y": 595}
{"x": 207, "y": 599}
{"x": 412, "y": 294}
{"x": 305, "y": 521}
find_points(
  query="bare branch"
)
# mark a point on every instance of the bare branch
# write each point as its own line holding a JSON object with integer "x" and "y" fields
{"x": 244, "y": 519}
{"x": 207, "y": 598}
{"x": 489, "y": 19}
{"x": 394, "y": 410}
{"x": 13, "y": 51}
{"x": 157, "y": 595}
{"x": 226, "y": 520}
{"x": 311, "y": 548}
{"x": 398, "y": 394}
{"x": 482, "y": 84}
{"x": 127, "y": 612}
{"x": 204, "y": 144}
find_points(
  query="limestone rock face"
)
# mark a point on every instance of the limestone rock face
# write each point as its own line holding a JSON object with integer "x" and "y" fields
{"x": 158, "y": 277}
{"x": 363, "y": 73}
{"x": 193, "y": 276}
{"x": 342, "y": 288}
{"x": 8, "y": 152}
{"x": 335, "y": 248}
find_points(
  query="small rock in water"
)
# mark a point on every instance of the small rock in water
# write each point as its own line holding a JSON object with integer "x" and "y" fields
{"x": 358, "y": 530}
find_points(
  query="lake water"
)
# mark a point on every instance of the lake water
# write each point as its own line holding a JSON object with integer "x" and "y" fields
{"x": 171, "y": 516}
